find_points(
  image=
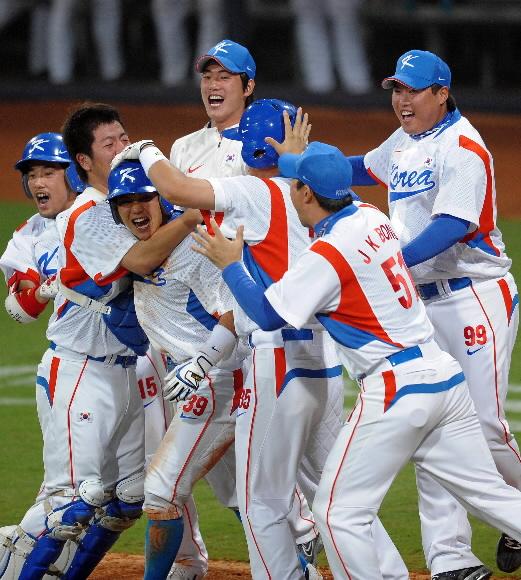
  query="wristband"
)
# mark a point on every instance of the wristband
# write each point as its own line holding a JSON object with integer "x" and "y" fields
{"x": 149, "y": 156}
{"x": 27, "y": 300}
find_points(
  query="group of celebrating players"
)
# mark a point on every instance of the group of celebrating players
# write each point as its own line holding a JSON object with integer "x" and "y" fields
{"x": 243, "y": 311}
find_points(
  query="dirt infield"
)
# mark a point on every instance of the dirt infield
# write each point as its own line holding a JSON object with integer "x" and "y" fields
{"x": 354, "y": 132}
{"x": 132, "y": 568}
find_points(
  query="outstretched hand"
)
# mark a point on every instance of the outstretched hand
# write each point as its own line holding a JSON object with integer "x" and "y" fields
{"x": 131, "y": 152}
{"x": 295, "y": 137}
{"x": 219, "y": 250}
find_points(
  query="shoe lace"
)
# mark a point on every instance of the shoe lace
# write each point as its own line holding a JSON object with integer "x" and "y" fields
{"x": 512, "y": 544}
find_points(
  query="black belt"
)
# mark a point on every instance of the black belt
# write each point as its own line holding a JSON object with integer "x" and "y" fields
{"x": 430, "y": 290}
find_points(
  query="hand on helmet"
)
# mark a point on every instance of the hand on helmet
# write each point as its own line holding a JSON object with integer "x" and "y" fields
{"x": 131, "y": 152}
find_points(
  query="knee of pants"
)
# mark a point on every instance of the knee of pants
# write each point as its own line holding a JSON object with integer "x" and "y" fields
{"x": 494, "y": 432}
{"x": 268, "y": 510}
{"x": 160, "y": 508}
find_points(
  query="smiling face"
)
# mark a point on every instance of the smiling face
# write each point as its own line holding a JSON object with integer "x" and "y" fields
{"x": 46, "y": 182}
{"x": 140, "y": 213}
{"x": 223, "y": 95}
{"x": 419, "y": 110}
{"x": 109, "y": 140}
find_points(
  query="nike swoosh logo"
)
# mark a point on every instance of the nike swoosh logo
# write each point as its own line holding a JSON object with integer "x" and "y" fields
{"x": 192, "y": 169}
{"x": 183, "y": 416}
{"x": 471, "y": 352}
{"x": 243, "y": 413}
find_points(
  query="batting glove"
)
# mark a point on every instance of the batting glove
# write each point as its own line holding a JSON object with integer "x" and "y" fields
{"x": 131, "y": 152}
{"x": 183, "y": 381}
{"x": 49, "y": 288}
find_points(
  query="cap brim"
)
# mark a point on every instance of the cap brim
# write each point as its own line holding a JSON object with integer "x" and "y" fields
{"x": 388, "y": 83}
{"x": 232, "y": 133}
{"x": 288, "y": 165}
{"x": 224, "y": 62}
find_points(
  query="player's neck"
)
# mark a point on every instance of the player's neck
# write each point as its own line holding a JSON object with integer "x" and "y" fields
{"x": 264, "y": 173}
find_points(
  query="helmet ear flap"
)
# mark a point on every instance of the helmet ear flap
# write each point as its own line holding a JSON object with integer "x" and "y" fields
{"x": 25, "y": 185}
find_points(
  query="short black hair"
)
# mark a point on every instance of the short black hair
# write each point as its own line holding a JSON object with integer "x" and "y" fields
{"x": 451, "y": 101}
{"x": 79, "y": 126}
{"x": 326, "y": 203}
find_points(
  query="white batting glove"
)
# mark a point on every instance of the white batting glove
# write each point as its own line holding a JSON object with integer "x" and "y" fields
{"x": 131, "y": 152}
{"x": 49, "y": 288}
{"x": 183, "y": 381}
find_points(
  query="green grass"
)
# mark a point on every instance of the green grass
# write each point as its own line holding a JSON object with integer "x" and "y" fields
{"x": 21, "y": 463}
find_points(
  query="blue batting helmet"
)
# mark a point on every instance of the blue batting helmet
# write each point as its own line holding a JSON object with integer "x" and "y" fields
{"x": 129, "y": 178}
{"x": 48, "y": 147}
{"x": 263, "y": 118}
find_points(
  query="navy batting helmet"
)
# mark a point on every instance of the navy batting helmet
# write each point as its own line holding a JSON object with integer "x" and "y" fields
{"x": 263, "y": 118}
{"x": 129, "y": 178}
{"x": 48, "y": 147}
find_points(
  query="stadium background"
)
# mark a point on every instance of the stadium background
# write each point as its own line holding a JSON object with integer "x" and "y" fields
{"x": 481, "y": 43}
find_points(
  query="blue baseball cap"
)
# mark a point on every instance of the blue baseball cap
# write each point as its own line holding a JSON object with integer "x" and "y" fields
{"x": 419, "y": 69}
{"x": 232, "y": 56}
{"x": 323, "y": 167}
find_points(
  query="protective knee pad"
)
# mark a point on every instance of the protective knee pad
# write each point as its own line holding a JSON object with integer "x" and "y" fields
{"x": 132, "y": 488}
{"x": 15, "y": 546}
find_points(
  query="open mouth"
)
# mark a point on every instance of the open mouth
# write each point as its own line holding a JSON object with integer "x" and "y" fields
{"x": 42, "y": 198}
{"x": 407, "y": 115}
{"x": 215, "y": 100}
{"x": 141, "y": 223}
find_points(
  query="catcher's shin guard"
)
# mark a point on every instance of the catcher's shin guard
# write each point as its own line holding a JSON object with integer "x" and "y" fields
{"x": 100, "y": 536}
{"x": 45, "y": 552}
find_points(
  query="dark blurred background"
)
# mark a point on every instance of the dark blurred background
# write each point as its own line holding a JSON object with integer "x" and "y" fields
{"x": 480, "y": 40}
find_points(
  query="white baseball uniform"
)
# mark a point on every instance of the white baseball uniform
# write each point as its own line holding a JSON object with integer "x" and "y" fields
{"x": 471, "y": 297}
{"x": 414, "y": 402}
{"x": 202, "y": 154}
{"x": 294, "y": 390}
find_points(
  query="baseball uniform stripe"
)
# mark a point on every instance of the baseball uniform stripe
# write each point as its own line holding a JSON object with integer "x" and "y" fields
{"x": 390, "y": 388}
{"x": 280, "y": 369}
{"x": 197, "y": 310}
{"x": 353, "y": 305}
{"x": 42, "y": 382}
{"x": 486, "y": 218}
{"x": 73, "y": 274}
{"x": 55, "y": 363}
{"x": 69, "y": 430}
{"x": 496, "y": 382}
{"x": 310, "y": 374}
{"x": 272, "y": 253}
{"x": 196, "y": 443}
{"x": 510, "y": 302}
{"x": 376, "y": 178}
{"x": 426, "y": 388}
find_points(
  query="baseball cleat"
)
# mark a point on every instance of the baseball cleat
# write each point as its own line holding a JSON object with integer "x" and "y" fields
{"x": 310, "y": 550}
{"x": 185, "y": 573}
{"x": 508, "y": 555}
{"x": 474, "y": 573}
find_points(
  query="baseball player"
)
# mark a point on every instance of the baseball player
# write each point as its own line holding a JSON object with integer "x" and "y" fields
{"x": 293, "y": 389}
{"x": 175, "y": 305}
{"x": 29, "y": 264}
{"x": 227, "y": 83}
{"x": 414, "y": 402}
{"x": 440, "y": 180}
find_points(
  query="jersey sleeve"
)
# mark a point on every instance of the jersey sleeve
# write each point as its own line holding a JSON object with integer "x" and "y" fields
{"x": 309, "y": 287}
{"x": 18, "y": 256}
{"x": 377, "y": 161}
{"x": 244, "y": 200}
{"x": 99, "y": 244}
{"x": 465, "y": 176}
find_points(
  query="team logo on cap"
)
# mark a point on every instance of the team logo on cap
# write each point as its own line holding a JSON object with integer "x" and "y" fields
{"x": 220, "y": 47}
{"x": 38, "y": 145}
{"x": 406, "y": 60}
{"x": 125, "y": 174}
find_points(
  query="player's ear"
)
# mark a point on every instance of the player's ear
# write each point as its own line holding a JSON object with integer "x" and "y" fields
{"x": 443, "y": 95}
{"x": 249, "y": 88}
{"x": 85, "y": 161}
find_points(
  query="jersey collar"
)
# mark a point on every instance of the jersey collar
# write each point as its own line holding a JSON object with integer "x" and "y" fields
{"x": 325, "y": 225}
{"x": 450, "y": 118}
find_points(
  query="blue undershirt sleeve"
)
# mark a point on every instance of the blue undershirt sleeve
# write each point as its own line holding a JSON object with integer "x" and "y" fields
{"x": 360, "y": 174}
{"x": 443, "y": 232}
{"x": 251, "y": 298}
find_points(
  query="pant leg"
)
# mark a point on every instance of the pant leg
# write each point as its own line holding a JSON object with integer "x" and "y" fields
{"x": 61, "y": 44}
{"x": 106, "y": 23}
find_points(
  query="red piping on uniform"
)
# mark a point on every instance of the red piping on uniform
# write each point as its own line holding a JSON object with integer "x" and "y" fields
{"x": 248, "y": 458}
{"x": 55, "y": 363}
{"x": 486, "y": 217}
{"x": 163, "y": 400}
{"x": 334, "y": 484}
{"x": 194, "y": 446}
{"x": 187, "y": 513}
{"x": 505, "y": 431}
{"x": 507, "y": 297}
{"x": 390, "y": 388}
{"x": 376, "y": 178}
{"x": 279, "y": 355}
{"x": 69, "y": 420}
{"x": 353, "y": 309}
